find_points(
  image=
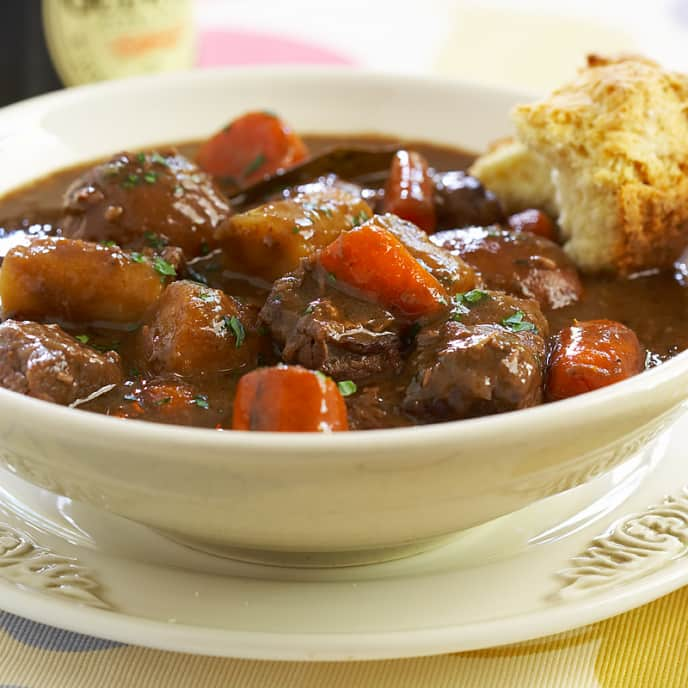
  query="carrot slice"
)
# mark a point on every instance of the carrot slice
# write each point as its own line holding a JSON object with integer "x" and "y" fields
{"x": 371, "y": 259}
{"x": 590, "y": 355}
{"x": 409, "y": 192}
{"x": 252, "y": 146}
{"x": 535, "y": 222}
{"x": 288, "y": 399}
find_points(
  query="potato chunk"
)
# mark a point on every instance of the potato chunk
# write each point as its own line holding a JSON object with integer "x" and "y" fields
{"x": 196, "y": 330}
{"x": 270, "y": 240}
{"x": 76, "y": 281}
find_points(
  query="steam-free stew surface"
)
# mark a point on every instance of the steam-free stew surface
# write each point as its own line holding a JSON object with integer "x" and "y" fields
{"x": 654, "y": 306}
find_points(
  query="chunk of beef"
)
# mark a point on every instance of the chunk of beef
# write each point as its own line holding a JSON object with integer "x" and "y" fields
{"x": 496, "y": 307}
{"x": 197, "y": 330}
{"x": 520, "y": 263}
{"x": 463, "y": 371}
{"x": 146, "y": 199}
{"x": 451, "y": 271}
{"x": 75, "y": 281}
{"x": 44, "y": 362}
{"x": 322, "y": 328}
{"x": 462, "y": 201}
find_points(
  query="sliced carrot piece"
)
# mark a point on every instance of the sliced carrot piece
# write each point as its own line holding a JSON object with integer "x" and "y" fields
{"x": 590, "y": 355}
{"x": 371, "y": 259}
{"x": 252, "y": 146}
{"x": 535, "y": 222}
{"x": 288, "y": 399}
{"x": 409, "y": 192}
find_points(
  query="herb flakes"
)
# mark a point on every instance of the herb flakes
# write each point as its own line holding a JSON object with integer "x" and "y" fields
{"x": 158, "y": 159}
{"x": 234, "y": 326}
{"x": 201, "y": 400}
{"x": 255, "y": 165}
{"x": 155, "y": 240}
{"x": 161, "y": 266}
{"x": 83, "y": 338}
{"x": 131, "y": 181}
{"x": 347, "y": 388}
{"x": 516, "y": 323}
{"x": 360, "y": 218}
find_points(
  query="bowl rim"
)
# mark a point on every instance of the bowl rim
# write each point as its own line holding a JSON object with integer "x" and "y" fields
{"x": 575, "y": 410}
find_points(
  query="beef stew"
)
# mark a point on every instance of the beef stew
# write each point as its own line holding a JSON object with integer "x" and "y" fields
{"x": 274, "y": 284}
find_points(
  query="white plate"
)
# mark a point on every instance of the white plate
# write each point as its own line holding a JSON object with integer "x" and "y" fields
{"x": 71, "y": 566}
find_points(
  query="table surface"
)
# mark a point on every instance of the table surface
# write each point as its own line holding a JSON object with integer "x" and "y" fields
{"x": 498, "y": 42}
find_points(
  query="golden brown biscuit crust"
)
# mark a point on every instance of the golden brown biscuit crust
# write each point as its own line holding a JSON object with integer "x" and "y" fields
{"x": 620, "y": 129}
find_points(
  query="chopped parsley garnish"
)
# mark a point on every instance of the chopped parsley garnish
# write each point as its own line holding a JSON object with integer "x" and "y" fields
{"x": 83, "y": 338}
{"x": 109, "y": 243}
{"x": 131, "y": 181}
{"x": 137, "y": 257}
{"x": 155, "y": 240}
{"x": 309, "y": 308}
{"x": 475, "y": 295}
{"x": 150, "y": 177}
{"x": 516, "y": 323}
{"x": 359, "y": 219}
{"x": 233, "y": 324}
{"x": 464, "y": 301}
{"x": 129, "y": 397}
{"x": 163, "y": 401}
{"x": 470, "y": 297}
{"x": 206, "y": 296}
{"x": 201, "y": 400}
{"x": 295, "y": 229}
{"x": 141, "y": 157}
{"x": 163, "y": 267}
{"x": 255, "y": 165}
{"x": 158, "y": 159}
{"x": 347, "y": 388}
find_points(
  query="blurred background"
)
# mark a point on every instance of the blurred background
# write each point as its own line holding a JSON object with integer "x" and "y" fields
{"x": 528, "y": 44}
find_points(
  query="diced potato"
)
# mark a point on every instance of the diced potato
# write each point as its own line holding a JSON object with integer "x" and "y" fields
{"x": 76, "y": 281}
{"x": 270, "y": 240}
{"x": 198, "y": 330}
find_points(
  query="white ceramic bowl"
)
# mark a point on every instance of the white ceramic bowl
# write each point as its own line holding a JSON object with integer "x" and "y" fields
{"x": 340, "y": 498}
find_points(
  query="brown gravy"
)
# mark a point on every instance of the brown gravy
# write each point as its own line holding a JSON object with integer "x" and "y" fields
{"x": 653, "y": 305}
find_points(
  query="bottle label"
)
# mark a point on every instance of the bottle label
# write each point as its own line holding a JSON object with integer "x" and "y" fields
{"x": 94, "y": 40}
